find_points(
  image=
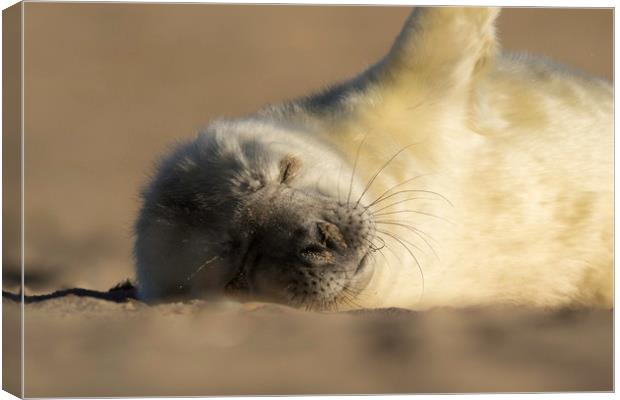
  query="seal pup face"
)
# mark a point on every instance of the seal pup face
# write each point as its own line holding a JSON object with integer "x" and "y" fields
{"x": 251, "y": 210}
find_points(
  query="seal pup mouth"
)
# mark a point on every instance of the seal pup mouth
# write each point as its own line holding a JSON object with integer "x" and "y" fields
{"x": 303, "y": 256}
{"x": 300, "y": 293}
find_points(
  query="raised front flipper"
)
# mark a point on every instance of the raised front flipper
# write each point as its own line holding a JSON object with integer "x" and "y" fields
{"x": 438, "y": 55}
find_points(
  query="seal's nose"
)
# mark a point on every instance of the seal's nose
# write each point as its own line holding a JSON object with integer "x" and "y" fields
{"x": 323, "y": 244}
{"x": 289, "y": 226}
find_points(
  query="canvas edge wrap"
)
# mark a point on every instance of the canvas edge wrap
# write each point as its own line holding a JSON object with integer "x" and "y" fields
{"x": 12, "y": 191}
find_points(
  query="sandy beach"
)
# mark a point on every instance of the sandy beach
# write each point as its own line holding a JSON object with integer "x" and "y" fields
{"x": 83, "y": 347}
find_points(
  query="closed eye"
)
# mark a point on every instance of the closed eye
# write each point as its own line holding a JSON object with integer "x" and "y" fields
{"x": 289, "y": 167}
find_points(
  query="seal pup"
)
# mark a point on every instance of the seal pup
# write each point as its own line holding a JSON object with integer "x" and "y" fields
{"x": 446, "y": 174}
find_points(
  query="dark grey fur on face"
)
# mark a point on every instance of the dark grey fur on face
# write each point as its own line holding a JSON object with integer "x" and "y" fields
{"x": 249, "y": 209}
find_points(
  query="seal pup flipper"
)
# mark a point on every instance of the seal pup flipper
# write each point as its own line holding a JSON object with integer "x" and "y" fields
{"x": 439, "y": 53}
{"x": 443, "y": 46}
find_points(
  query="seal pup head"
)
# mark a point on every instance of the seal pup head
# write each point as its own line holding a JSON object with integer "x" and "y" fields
{"x": 256, "y": 211}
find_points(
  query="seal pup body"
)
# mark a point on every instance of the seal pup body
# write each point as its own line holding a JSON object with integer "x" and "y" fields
{"x": 460, "y": 177}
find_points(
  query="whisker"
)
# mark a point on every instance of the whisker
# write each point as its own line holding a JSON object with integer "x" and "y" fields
{"x": 369, "y": 184}
{"x": 414, "y": 191}
{"x": 403, "y": 201}
{"x": 395, "y": 186}
{"x": 411, "y": 244}
{"x": 387, "y": 262}
{"x": 414, "y": 230}
{"x": 378, "y": 249}
{"x": 390, "y": 249}
{"x": 338, "y": 182}
{"x": 382, "y": 242}
{"x": 413, "y": 256}
{"x": 323, "y": 305}
{"x": 200, "y": 268}
{"x": 357, "y": 155}
{"x": 412, "y": 211}
{"x": 353, "y": 293}
{"x": 351, "y": 299}
{"x": 373, "y": 247}
{"x": 417, "y": 230}
{"x": 346, "y": 295}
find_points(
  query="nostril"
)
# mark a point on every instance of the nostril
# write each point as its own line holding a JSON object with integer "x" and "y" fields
{"x": 313, "y": 248}
{"x": 316, "y": 254}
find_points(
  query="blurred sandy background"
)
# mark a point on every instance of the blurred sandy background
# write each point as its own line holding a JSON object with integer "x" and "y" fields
{"x": 109, "y": 86}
